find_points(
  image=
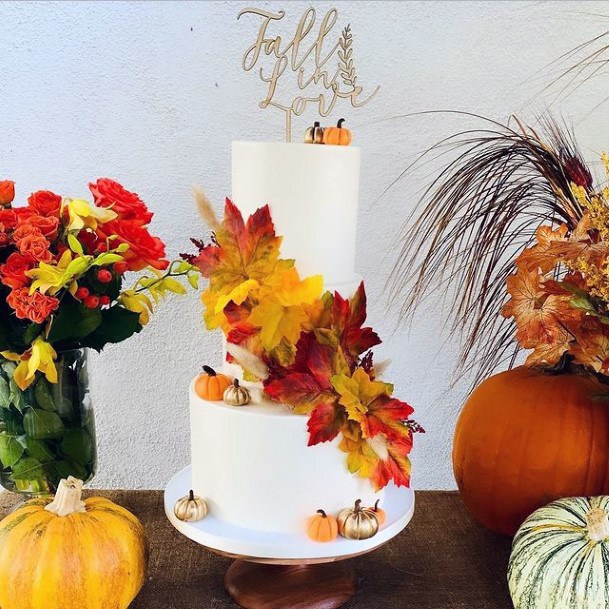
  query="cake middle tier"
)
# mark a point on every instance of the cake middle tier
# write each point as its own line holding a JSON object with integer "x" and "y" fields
{"x": 312, "y": 191}
{"x": 253, "y": 466}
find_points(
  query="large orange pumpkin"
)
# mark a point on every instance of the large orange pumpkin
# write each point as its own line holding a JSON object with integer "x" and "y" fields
{"x": 525, "y": 438}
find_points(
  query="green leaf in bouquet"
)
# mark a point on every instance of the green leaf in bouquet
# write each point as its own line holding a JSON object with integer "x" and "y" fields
{"x": 31, "y": 332}
{"x": 74, "y": 321}
{"x": 77, "y": 445}
{"x": 39, "y": 449}
{"x": 75, "y": 244}
{"x": 68, "y": 468}
{"x": 12, "y": 421}
{"x": 8, "y": 368}
{"x": 106, "y": 259}
{"x": 16, "y": 395}
{"x": 117, "y": 325}
{"x": 42, "y": 424}
{"x": 10, "y": 450}
{"x": 43, "y": 395}
{"x": 5, "y": 393}
{"x": 27, "y": 468}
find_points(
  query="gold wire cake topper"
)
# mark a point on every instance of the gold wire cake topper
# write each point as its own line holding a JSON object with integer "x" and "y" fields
{"x": 323, "y": 75}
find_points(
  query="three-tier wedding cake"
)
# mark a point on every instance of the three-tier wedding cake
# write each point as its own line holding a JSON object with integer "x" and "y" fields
{"x": 267, "y": 466}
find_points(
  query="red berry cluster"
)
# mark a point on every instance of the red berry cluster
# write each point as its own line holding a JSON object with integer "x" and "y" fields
{"x": 93, "y": 301}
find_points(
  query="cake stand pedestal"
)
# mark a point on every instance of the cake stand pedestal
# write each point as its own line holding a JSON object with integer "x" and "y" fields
{"x": 264, "y": 586}
{"x": 287, "y": 570}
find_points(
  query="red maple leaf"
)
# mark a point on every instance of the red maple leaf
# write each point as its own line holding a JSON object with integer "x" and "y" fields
{"x": 348, "y": 317}
{"x": 396, "y": 466}
{"x": 325, "y": 423}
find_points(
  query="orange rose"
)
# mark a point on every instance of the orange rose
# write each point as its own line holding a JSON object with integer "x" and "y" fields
{"x": 7, "y": 192}
{"x": 144, "y": 249}
{"x": 36, "y": 307}
{"x": 48, "y": 226}
{"x": 128, "y": 205}
{"x": 12, "y": 272}
{"x": 45, "y": 203}
{"x": 8, "y": 219}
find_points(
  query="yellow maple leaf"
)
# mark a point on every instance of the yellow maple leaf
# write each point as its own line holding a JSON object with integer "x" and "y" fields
{"x": 358, "y": 391}
{"x": 277, "y": 321}
{"x": 361, "y": 458}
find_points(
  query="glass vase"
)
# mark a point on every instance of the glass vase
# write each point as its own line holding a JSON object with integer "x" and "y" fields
{"x": 47, "y": 431}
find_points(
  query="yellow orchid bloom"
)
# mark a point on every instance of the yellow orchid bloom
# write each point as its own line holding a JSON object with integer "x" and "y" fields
{"x": 41, "y": 357}
{"x": 50, "y": 277}
{"x": 84, "y": 215}
{"x": 138, "y": 303}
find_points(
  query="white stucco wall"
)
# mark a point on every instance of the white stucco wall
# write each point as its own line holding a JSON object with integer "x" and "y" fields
{"x": 152, "y": 94}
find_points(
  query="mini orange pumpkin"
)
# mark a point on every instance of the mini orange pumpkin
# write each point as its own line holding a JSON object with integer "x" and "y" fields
{"x": 322, "y": 527}
{"x": 210, "y": 385}
{"x": 380, "y": 514}
{"x": 337, "y": 136}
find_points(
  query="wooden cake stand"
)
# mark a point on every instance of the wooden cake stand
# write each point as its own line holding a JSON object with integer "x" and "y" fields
{"x": 281, "y": 570}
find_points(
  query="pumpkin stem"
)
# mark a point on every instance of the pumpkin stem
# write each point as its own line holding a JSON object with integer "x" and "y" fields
{"x": 358, "y": 506}
{"x": 316, "y": 124}
{"x": 68, "y": 499}
{"x": 376, "y": 505}
{"x": 598, "y": 524}
{"x": 340, "y": 122}
{"x": 322, "y": 513}
{"x": 209, "y": 370}
{"x": 236, "y": 383}
{"x": 191, "y": 495}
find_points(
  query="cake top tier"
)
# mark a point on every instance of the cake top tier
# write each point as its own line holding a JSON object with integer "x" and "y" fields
{"x": 313, "y": 192}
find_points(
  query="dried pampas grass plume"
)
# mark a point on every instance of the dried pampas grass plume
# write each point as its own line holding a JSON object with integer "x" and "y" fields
{"x": 248, "y": 361}
{"x": 205, "y": 209}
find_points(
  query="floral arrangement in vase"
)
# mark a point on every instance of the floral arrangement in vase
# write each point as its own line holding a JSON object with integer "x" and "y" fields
{"x": 516, "y": 233}
{"x": 63, "y": 266}
{"x": 309, "y": 348}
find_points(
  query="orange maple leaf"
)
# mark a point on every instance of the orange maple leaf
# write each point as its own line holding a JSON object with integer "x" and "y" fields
{"x": 542, "y": 319}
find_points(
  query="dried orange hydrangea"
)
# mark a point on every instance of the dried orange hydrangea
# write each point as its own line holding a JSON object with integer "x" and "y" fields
{"x": 559, "y": 295}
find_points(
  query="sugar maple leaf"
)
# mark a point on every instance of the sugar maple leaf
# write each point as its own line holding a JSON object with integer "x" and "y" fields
{"x": 282, "y": 313}
{"x": 387, "y": 415}
{"x": 242, "y": 256}
{"x": 358, "y": 392}
{"x": 241, "y": 250}
{"x": 378, "y": 459}
{"x": 306, "y": 384}
{"x": 325, "y": 422}
{"x": 344, "y": 326}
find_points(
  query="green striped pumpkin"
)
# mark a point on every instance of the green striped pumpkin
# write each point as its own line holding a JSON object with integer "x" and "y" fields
{"x": 560, "y": 556}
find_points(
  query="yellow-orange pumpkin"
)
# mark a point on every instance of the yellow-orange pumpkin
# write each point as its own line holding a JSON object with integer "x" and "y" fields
{"x": 210, "y": 385}
{"x": 322, "y": 527}
{"x": 526, "y": 438}
{"x": 337, "y": 136}
{"x": 80, "y": 555}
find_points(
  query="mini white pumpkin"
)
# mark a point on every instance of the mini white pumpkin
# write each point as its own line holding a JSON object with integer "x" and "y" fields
{"x": 560, "y": 556}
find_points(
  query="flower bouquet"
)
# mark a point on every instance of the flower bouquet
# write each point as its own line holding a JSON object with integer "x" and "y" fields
{"x": 62, "y": 269}
{"x": 516, "y": 231}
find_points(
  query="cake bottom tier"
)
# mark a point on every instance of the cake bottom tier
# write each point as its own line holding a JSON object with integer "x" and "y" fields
{"x": 255, "y": 470}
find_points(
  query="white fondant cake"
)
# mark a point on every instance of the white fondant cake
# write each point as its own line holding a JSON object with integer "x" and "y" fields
{"x": 256, "y": 471}
{"x": 252, "y": 463}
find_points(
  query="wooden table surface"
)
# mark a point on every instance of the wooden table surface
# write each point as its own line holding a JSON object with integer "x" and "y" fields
{"x": 443, "y": 560}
